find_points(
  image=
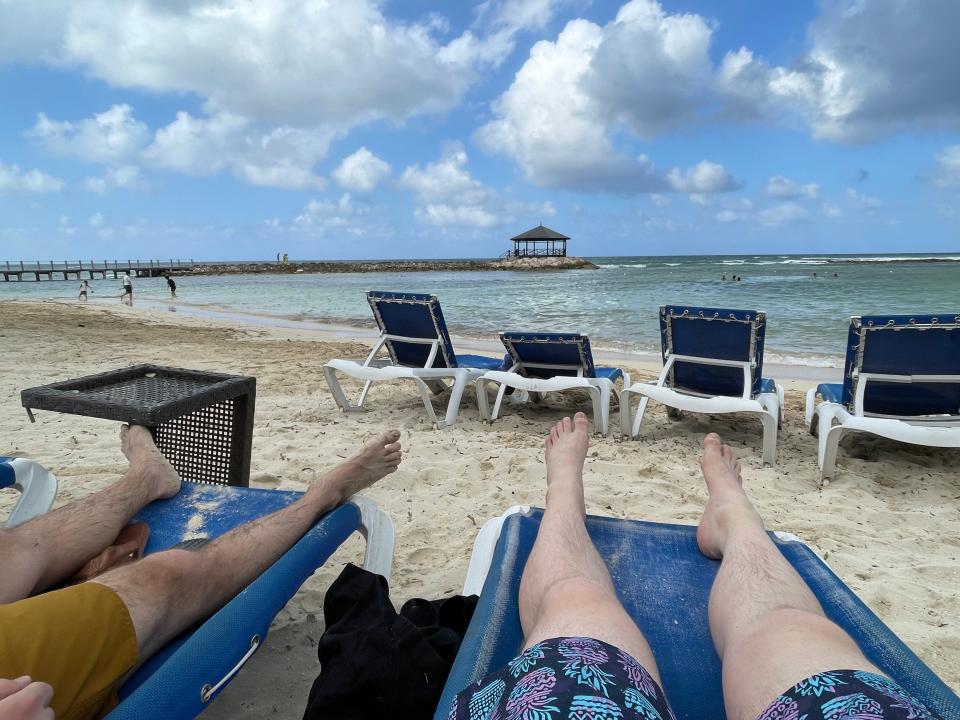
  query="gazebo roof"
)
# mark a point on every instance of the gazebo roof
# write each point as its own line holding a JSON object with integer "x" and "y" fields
{"x": 540, "y": 233}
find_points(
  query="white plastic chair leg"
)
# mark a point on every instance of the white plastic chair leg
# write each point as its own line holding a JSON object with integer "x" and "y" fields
{"x": 337, "y": 391}
{"x": 810, "y": 406}
{"x": 456, "y": 396}
{"x": 498, "y": 403}
{"x": 770, "y": 422}
{"x": 427, "y": 397}
{"x": 596, "y": 399}
{"x": 377, "y": 529}
{"x": 830, "y": 446}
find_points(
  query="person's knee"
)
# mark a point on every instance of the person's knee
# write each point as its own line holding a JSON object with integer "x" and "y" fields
{"x": 790, "y": 627}
{"x": 577, "y": 593}
{"x": 165, "y": 575}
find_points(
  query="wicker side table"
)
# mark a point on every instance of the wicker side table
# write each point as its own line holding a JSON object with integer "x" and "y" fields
{"x": 202, "y": 422}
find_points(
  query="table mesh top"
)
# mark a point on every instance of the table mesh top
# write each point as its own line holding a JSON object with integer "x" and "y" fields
{"x": 150, "y": 389}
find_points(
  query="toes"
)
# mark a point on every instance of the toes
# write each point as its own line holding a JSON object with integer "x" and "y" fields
{"x": 580, "y": 420}
{"x": 567, "y": 424}
{"x": 391, "y": 436}
{"x": 712, "y": 442}
{"x": 392, "y": 447}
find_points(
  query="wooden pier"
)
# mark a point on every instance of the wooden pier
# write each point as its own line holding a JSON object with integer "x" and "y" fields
{"x": 39, "y": 270}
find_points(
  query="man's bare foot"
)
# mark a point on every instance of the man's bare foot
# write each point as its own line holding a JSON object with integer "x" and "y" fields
{"x": 728, "y": 507}
{"x": 137, "y": 445}
{"x": 566, "y": 449}
{"x": 376, "y": 460}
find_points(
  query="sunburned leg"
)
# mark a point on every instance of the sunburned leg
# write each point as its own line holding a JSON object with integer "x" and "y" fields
{"x": 50, "y": 548}
{"x": 767, "y": 626}
{"x": 566, "y": 589}
{"x": 170, "y": 591}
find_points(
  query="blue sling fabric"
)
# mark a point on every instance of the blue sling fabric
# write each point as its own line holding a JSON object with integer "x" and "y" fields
{"x": 7, "y": 476}
{"x": 716, "y": 333}
{"x": 414, "y": 315}
{"x": 168, "y": 685}
{"x": 904, "y": 345}
{"x": 550, "y": 349}
{"x": 663, "y": 582}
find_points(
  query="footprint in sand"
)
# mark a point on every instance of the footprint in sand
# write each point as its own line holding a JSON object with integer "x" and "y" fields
{"x": 427, "y": 556}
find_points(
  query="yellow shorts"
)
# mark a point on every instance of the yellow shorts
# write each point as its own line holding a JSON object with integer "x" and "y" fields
{"x": 80, "y": 640}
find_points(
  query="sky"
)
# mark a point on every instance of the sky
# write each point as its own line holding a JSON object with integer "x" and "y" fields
{"x": 356, "y": 129}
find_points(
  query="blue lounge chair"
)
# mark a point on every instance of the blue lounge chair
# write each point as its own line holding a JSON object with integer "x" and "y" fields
{"x": 415, "y": 335}
{"x": 551, "y": 362}
{"x": 664, "y": 582}
{"x": 37, "y": 486}
{"x": 712, "y": 363}
{"x": 182, "y": 679}
{"x": 901, "y": 380}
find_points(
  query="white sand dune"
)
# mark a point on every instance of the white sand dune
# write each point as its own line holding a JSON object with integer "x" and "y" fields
{"x": 888, "y": 524}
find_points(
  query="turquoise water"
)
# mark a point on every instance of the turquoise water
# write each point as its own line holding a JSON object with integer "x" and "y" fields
{"x": 617, "y": 304}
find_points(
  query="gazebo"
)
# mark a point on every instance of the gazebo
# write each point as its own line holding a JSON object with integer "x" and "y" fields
{"x": 540, "y": 242}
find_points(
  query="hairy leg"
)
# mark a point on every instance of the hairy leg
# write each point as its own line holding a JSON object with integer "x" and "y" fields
{"x": 170, "y": 591}
{"x": 566, "y": 589}
{"x": 768, "y": 627}
{"x": 52, "y": 547}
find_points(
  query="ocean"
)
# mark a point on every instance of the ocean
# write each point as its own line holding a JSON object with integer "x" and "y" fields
{"x": 616, "y": 305}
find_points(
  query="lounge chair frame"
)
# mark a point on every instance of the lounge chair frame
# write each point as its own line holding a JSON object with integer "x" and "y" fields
{"x": 600, "y": 390}
{"x": 428, "y": 380}
{"x": 37, "y": 486}
{"x": 183, "y": 682}
{"x": 930, "y": 430}
{"x": 669, "y": 602}
{"x": 767, "y": 406}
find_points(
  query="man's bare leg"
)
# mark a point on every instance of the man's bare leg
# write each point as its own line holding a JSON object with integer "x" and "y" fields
{"x": 767, "y": 626}
{"x": 170, "y": 591}
{"x": 52, "y": 547}
{"x": 566, "y": 588}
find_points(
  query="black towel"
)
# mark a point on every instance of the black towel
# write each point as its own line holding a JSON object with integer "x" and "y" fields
{"x": 376, "y": 663}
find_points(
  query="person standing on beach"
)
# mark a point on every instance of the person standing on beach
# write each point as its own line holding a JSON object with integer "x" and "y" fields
{"x": 84, "y": 288}
{"x": 172, "y": 285}
{"x": 127, "y": 297}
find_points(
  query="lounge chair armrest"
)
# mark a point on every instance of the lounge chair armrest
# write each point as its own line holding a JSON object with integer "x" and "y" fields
{"x": 377, "y": 529}
{"x": 483, "y": 548}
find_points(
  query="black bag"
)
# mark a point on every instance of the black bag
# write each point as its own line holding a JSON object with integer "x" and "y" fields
{"x": 375, "y": 663}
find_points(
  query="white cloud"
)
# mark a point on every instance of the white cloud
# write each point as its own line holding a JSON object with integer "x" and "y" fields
{"x": 446, "y": 179}
{"x": 948, "y": 166}
{"x": 659, "y": 200}
{"x": 13, "y": 179}
{"x": 831, "y": 210}
{"x": 450, "y": 195}
{"x": 727, "y": 216}
{"x": 780, "y": 187}
{"x": 110, "y": 137}
{"x": 96, "y": 220}
{"x": 782, "y": 214}
{"x": 361, "y": 171}
{"x": 65, "y": 226}
{"x": 704, "y": 177}
{"x": 871, "y": 68}
{"x": 282, "y": 157}
{"x": 125, "y": 177}
{"x": 277, "y": 61}
{"x": 862, "y": 200}
{"x": 640, "y": 71}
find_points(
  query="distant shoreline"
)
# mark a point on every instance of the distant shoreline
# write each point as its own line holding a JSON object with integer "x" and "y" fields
{"x": 379, "y": 266}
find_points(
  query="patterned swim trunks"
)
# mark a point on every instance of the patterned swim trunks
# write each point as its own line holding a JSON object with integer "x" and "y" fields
{"x": 577, "y": 678}
{"x": 570, "y": 677}
{"x": 841, "y": 694}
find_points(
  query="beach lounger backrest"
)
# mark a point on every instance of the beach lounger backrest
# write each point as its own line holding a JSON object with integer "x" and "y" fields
{"x": 909, "y": 346}
{"x": 412, "y": 315}
{"x": 716, "y": 334}
{"x": 546, "y": 355}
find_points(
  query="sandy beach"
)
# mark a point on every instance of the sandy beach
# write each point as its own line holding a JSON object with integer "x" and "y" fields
{"x": 888, "y": 524}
